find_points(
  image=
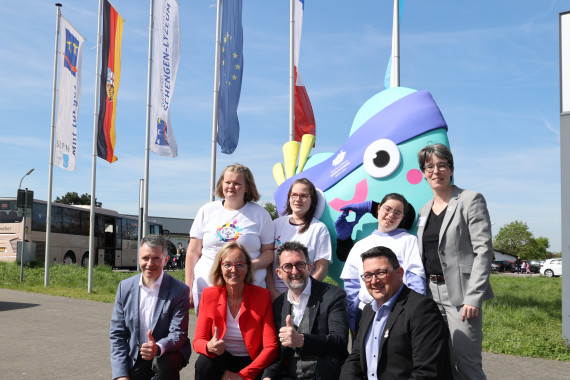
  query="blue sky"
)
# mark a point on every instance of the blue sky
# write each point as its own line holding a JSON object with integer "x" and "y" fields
{"x": 492, "y": 67}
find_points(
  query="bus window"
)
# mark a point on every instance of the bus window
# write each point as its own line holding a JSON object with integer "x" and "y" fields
{"x": 85, "y": 223}
{"x": 118, "y": 234}
{"x": 9, "y": 212}
{"x": 57, "y": 219}
{"x": 72, "y": 221}
{"x": 39, "y": 211}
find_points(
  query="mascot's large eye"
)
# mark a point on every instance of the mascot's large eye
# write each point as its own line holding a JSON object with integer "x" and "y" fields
{"x": 381, "y": 158}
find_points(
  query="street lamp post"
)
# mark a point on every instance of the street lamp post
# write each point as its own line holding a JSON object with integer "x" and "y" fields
{"x": 25, "y": 212}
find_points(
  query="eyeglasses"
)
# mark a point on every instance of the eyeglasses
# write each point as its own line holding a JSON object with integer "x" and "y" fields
{"x": 303, "y": 197}
{"x": 442, "y": 166}
{"x": 389, "y": 210}
{"x": 288, "y": 268}
{"x": 379, "y": 274}
{"x": 239, "y": 266}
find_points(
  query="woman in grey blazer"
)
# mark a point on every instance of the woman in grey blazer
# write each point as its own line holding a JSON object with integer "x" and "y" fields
{"x": 455, "y": 241}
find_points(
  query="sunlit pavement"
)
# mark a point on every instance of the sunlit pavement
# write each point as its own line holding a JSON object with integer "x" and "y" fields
{"x": 49, "y": 337}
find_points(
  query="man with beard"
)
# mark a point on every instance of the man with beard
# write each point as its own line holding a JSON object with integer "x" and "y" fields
{"x": 311, "y": 319}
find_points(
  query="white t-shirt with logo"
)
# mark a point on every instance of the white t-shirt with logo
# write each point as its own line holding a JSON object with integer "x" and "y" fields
{"x": 250, "y": 226}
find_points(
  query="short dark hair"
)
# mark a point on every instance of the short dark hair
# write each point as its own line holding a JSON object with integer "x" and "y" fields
{"x": 382, "y": 252}
{"x": 156, "y": 241}
{"x": 440, "y": 150}
{"x": 294, "y": 246}
{"x": 407, "y": 221}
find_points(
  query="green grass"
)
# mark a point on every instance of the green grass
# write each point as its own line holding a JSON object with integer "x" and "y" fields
{"x": 524, "y": 318}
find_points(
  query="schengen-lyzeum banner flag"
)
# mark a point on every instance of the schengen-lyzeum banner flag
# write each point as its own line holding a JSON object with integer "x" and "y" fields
{"x": 71, "y": 47}
{"x": 304, "y": 117}
{"x": 110, "y": 76}
{"x": 165, "y": 56}
{"x": 231, "y": 69}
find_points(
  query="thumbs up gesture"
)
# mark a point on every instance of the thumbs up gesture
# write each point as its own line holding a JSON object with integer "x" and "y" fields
{"x": 288, "y": 336}
{"x": 215, "y": 345}
{"x": 149, "y": 349}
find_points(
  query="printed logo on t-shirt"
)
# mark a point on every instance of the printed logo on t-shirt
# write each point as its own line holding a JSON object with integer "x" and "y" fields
{"x": 277, "y": 242}
{"x": 229, "y": 232}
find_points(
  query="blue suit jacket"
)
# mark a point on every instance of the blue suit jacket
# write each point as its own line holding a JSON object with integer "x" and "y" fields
{"x": 169, "y": 322}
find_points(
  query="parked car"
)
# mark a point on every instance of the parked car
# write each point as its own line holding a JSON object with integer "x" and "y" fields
{"x": 552, "y": 267}
{"x": 502, "y": 266}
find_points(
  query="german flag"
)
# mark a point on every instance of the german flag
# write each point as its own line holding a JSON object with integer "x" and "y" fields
{"x": 110, "y": 75}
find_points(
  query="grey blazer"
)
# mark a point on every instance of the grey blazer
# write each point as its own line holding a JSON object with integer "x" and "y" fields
{"x": 465, "y": 247}
{"x": 328, "y": 339}
{"x": 169, "y": 322}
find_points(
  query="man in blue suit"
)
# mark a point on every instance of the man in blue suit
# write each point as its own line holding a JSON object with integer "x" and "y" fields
{"x": 149, "y": 326}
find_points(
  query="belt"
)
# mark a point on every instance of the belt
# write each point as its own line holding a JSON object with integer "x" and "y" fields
{"x": 436, "y": 278}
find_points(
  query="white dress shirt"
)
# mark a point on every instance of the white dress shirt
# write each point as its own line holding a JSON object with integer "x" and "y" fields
{"x": 298, "y": 308}
{"x": 147, "y": 304}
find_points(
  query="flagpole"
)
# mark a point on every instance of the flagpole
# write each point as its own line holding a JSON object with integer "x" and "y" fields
{"x": 292, "y": 71}
{"x": 92, "y": 252}
{"x": 147, "y": 138}
{"x": 395, "y": 72}
{"x": 50, "y": 176}
{"x": 215, "y": 110}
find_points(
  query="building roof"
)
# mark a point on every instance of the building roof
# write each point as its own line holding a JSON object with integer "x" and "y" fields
{"x": 177, "y": 226}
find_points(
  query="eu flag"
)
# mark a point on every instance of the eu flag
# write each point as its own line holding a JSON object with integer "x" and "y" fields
{"x": 231, "y": 69}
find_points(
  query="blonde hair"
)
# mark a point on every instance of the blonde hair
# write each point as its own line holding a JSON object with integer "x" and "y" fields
{"x": 216, "y": 277}
{"x": 251, "y": 193}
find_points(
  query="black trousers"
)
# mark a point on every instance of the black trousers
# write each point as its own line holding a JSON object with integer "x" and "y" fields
{"x": 213, "y": 368}
{"x": 166, "y": 367}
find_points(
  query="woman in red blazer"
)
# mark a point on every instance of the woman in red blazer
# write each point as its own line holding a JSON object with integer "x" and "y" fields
{"x": 235, "y": 333}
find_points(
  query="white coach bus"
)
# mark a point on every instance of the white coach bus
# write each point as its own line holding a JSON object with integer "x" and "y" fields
{"x": 116, "y": 235}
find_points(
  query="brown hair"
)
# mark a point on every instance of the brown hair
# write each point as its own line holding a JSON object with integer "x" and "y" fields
{"x": 311, "y": 211}
{"x": 216, "y": 277}
{"x": 251, "y": 193}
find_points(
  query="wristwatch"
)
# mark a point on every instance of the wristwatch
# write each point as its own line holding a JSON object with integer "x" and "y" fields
{"x": 158, "y": 351}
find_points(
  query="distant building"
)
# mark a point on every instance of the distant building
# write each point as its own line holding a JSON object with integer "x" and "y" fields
{"x": 499, "y": 256}
{"x": 179, "y": 228}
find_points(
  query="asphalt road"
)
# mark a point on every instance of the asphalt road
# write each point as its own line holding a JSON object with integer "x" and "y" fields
{"x": 49, "y": 337}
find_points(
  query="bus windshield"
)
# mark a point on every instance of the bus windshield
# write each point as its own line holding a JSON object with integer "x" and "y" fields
{"x": 9, "y": 212}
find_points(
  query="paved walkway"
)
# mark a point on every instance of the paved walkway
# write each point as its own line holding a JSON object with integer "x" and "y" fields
{"x": 49, "y": 337}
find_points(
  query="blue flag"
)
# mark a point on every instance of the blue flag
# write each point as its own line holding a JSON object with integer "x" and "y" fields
{"x": 231, "y": 69}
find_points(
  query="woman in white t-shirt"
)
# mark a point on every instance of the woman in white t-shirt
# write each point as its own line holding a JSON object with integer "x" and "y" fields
{"x": 390, "y": 235}
{"x": 299, "y": 224}
{"x": 235, "y": 218}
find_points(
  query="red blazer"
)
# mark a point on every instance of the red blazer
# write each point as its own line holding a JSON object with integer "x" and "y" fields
{"x": 255, "y": 322}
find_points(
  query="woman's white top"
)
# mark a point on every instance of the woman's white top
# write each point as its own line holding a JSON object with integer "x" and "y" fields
{"x": 250, "y": 226}
{"x": 316, "y": 238}
{"x": 402, "y": 243}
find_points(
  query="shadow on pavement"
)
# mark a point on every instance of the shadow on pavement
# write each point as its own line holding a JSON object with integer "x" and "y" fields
{"x": 5, "y": 306}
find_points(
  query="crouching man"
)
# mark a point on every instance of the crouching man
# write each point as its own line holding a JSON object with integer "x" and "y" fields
{"x": 149, "y": 326}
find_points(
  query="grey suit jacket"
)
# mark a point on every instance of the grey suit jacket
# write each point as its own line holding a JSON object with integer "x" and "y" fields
{"x": 465, "y": 247}
{"x": 328, "y": 323}
{"x": 169, "y": 322}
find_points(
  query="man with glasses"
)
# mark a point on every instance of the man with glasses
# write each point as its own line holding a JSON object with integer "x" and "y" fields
{"x": 402, "y": 333}
{"x": 311, "y": 321}
{"x": 149, "y": 325}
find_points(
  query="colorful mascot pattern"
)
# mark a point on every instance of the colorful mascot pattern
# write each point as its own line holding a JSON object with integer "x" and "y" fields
{"x": 379, "y": 157}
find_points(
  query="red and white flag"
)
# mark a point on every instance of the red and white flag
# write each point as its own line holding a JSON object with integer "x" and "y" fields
{"x": 304, "y": 118}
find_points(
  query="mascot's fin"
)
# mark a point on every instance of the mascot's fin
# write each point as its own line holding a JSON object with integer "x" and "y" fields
{"x": 307, "y": 142}
{"x": 290, "y": 153}
{"x": 278, "y": 173}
